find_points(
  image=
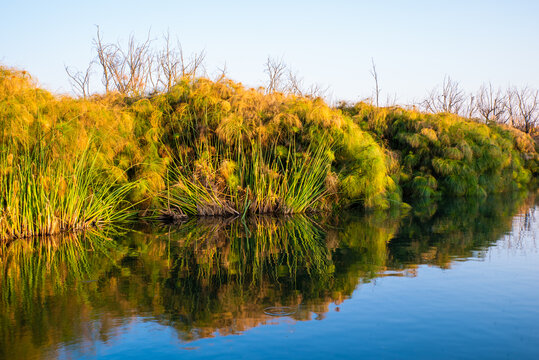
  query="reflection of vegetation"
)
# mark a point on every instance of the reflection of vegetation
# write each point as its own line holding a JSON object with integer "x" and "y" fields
{"x": 36, "y": 273}
{"x": 455, "y": 230}
{"x": 264, "y": 246}
{"x": 205, "y": 276}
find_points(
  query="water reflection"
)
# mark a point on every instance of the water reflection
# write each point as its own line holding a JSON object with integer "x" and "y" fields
{"x": 459, "y": 229}
{"x": 206, "y": 278}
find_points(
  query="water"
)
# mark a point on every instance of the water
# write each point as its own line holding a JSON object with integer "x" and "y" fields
{"x": 459, "y": 280}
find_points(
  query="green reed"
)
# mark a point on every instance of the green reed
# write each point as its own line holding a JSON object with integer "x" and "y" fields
{"x": 257, "y": 180}
{"x": 41, "y": 195}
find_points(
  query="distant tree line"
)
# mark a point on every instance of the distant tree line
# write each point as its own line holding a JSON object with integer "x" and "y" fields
{"x": 518, "y": 107}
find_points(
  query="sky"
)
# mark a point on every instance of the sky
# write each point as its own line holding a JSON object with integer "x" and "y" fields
{"x": 414, "y": 44}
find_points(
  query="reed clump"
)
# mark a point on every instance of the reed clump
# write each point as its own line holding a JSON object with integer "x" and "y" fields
{"x": 41, "y": 196}
{"x": 55, "y": 175}
{"x": 201, "y": 148}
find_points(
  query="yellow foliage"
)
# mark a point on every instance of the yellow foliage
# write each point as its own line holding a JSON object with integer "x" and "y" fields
{"x": 429, "y": 134}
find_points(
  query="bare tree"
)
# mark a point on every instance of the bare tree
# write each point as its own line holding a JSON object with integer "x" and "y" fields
{"x": 191, "y": 65}
{"x": 137, "y": 70}
{"x": 222, "y": 73}
{"x": 169, "y": 63}
{"x": 296, "y": 85}
{"x": 154, "y": 74}
{"x": 511, "y": 107}
{"x": 449, "y": 99}
{"x": 106, "y": 53}
{"x": 377, "y": 89}
{"x": 490, "y": 103}
{"x": 172, "y": 65}
{"x": 127, "y": 71}
{"x": 80, "y": 81}
{"x": 470, "y": 107}
{"x": 528, "y": 107}
{"x": 276, "y": 71}
{"x": 132, "y": 67}
{"x": 317, "y": 91}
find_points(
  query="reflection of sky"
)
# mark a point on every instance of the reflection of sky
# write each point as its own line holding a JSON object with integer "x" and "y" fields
{"x": 486, "y": 307}
{"x": 330, "y": 42}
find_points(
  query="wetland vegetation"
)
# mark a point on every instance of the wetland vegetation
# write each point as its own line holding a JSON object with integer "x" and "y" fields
{"x": 204, "y": 147}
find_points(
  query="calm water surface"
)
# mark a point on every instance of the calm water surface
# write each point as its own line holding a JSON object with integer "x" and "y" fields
{"x": 460, "y": 280}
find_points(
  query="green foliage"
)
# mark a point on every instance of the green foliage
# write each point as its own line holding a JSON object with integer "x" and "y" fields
{"x": 444, "y": 154}
{"x": 291, "y": 154}
{"x": 217, "y": 148}
{"x": 43, "y": 196}
{"x": 202, "y": 148}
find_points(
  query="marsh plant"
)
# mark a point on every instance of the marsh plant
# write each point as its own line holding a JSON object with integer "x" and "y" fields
{"x": 42, "y": 196}
{"x": 202, "y": 148}
{"x": 215, "y": 147}
{"x": 446, "y": 155}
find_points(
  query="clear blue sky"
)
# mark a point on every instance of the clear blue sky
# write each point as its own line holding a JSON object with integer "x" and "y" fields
{"x": 414, "y": 43}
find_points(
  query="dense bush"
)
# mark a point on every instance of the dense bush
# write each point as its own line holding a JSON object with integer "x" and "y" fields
{"x": 239, "y": 150}
{"x": 444, "y": 154}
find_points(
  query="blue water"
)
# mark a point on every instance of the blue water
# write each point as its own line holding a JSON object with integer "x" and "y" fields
{"x": 486, "y": 308}
{"x": 481, "y": 301}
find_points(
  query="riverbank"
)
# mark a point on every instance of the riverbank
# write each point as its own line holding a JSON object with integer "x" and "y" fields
{"x": 217, "y": 148}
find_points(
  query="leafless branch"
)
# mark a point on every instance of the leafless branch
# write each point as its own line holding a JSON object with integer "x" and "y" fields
{"x": 511, "y": 107}
{"x": 490, "y": 104}
{"x": 377, "y": 89}
{"x": 169, "y": 63}
{"x": 470, "y": 107}
{"x": 222, "y": 73}
{"x": 528, "y": 107}
{"x": 449, "y": 99}
{"x": 80, "y": 81}
{"x": 190, "y": 66}
{"x": 276, "y": 71}
{"x": 106, "y": 54}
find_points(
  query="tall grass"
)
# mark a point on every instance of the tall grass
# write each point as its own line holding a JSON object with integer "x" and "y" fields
{"x": 266, "y": 183}
{"x": 42, "y": 196}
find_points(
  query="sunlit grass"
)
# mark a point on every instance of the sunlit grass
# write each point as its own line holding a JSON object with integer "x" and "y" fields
{"x": 41, "y": 196}
{"x": 266, "y": 183}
